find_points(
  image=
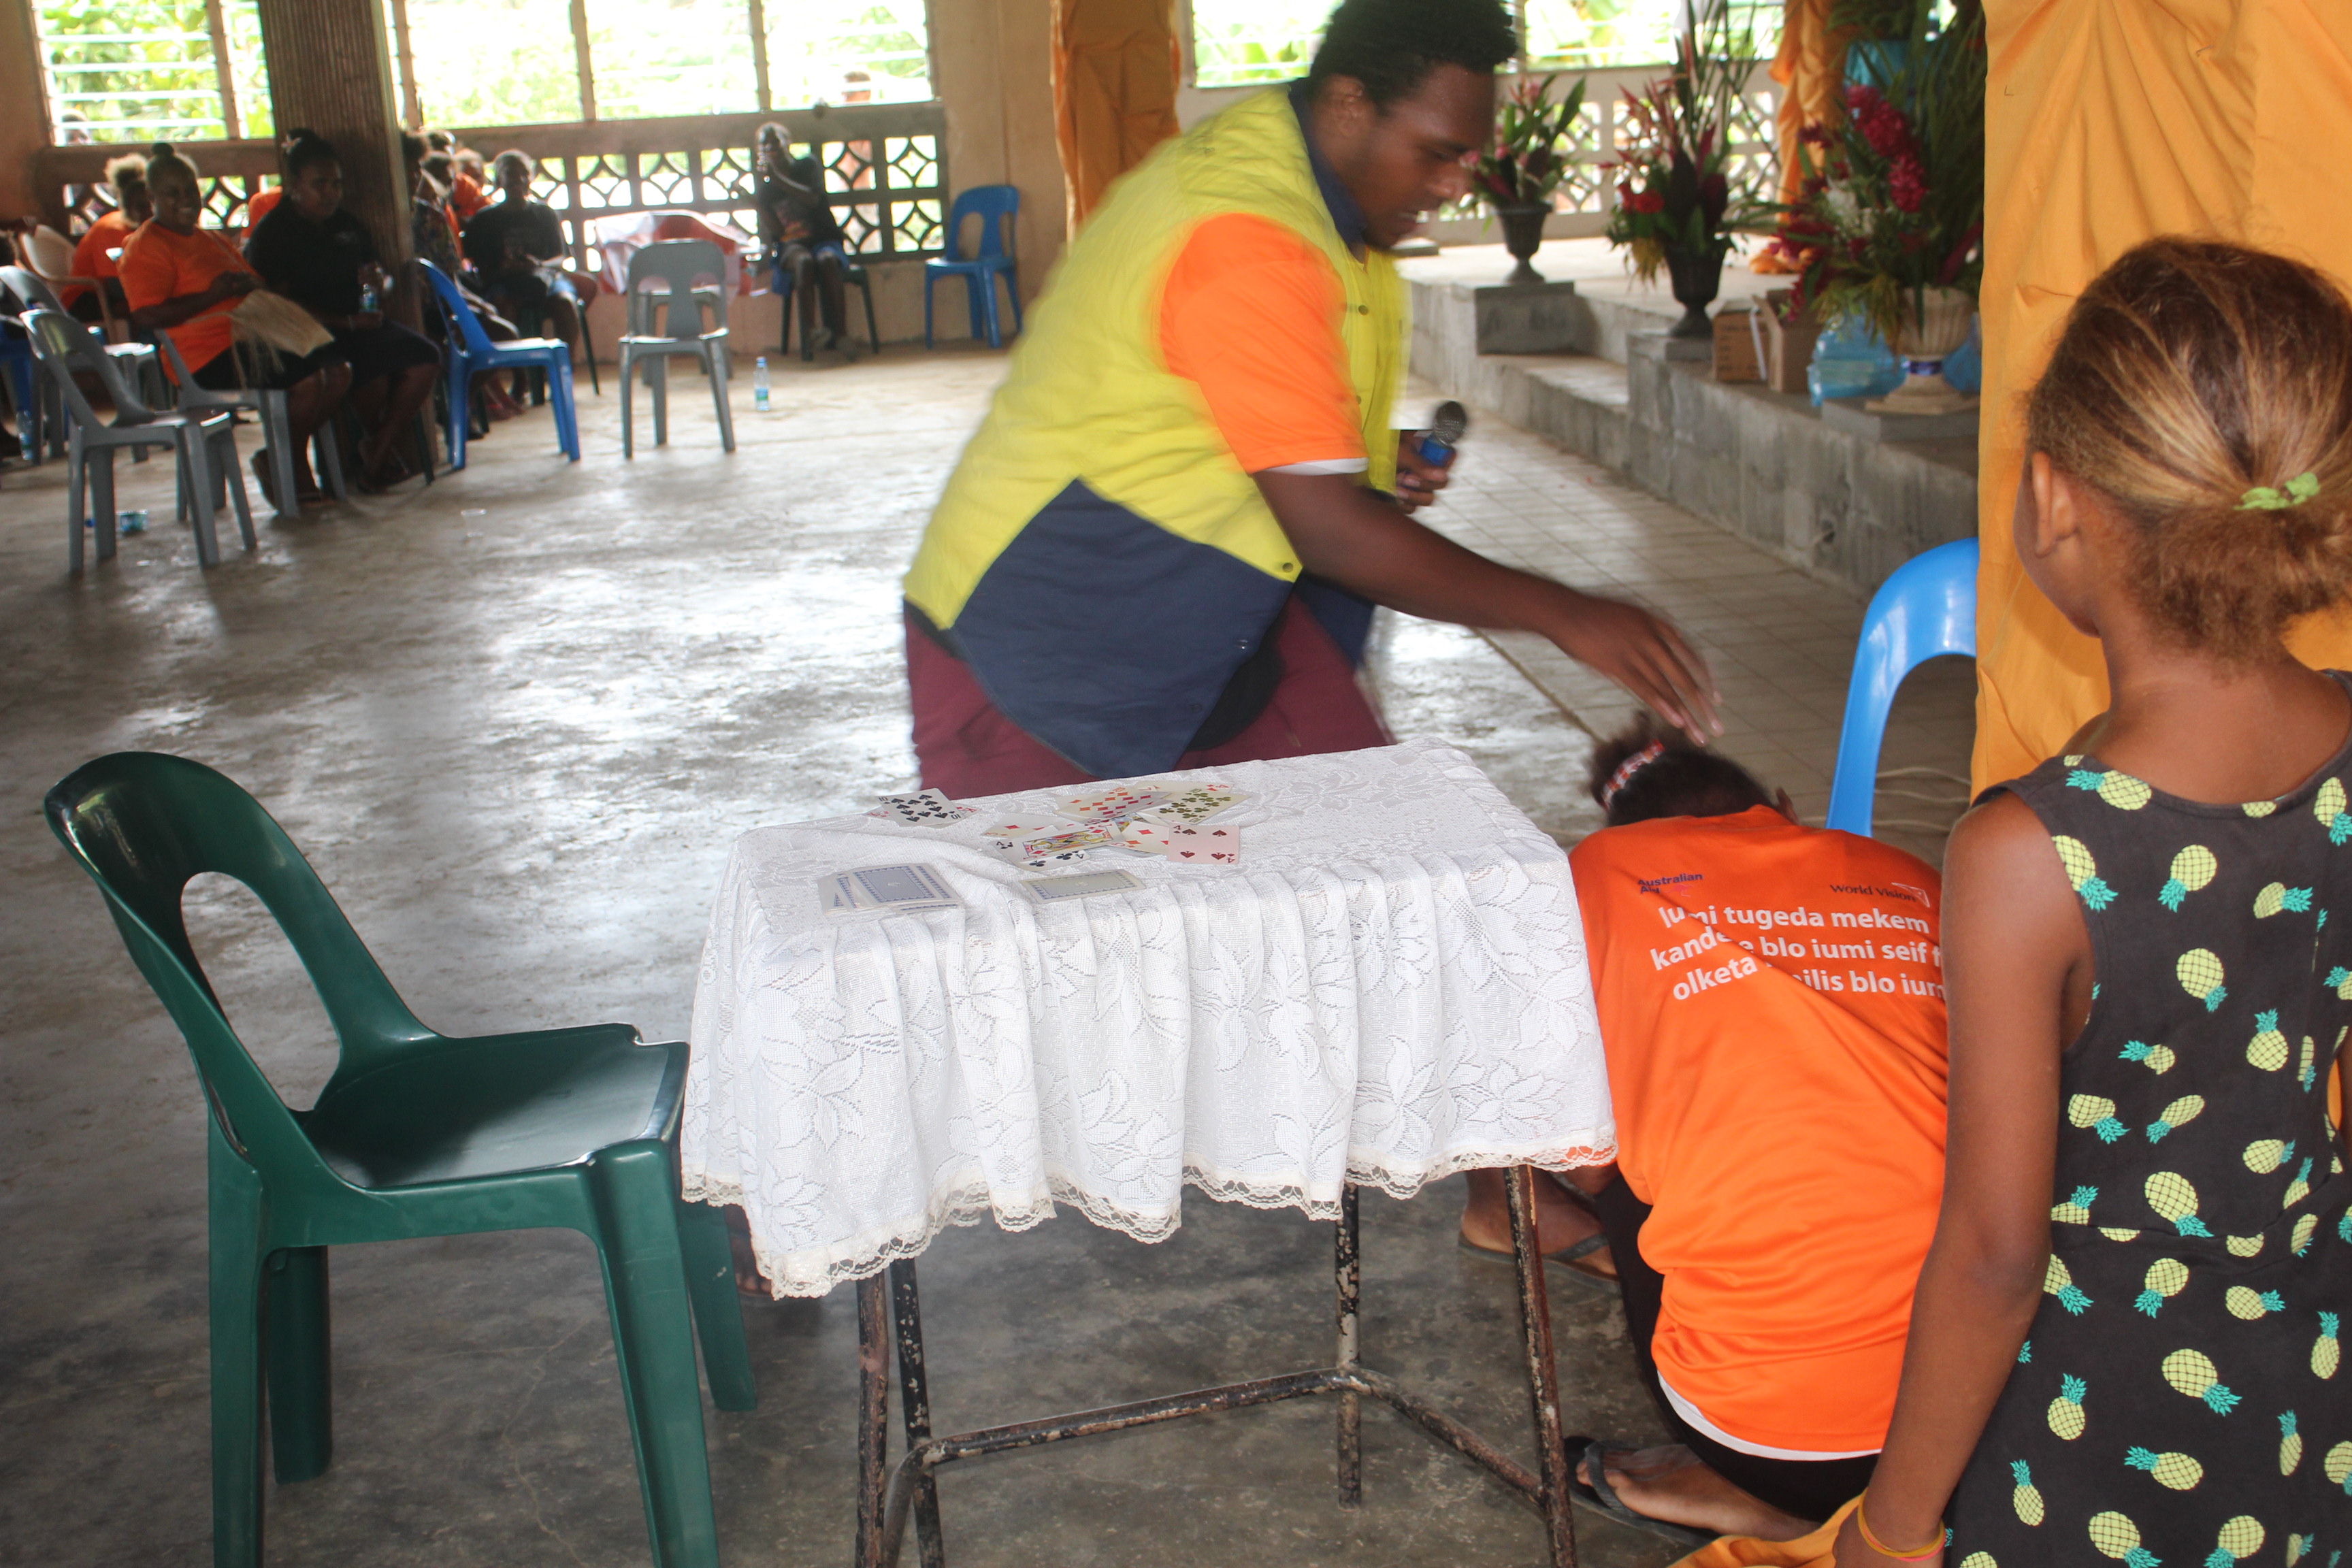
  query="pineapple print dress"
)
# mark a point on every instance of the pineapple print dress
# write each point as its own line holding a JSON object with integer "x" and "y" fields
{"x": 2181, "y": 1399}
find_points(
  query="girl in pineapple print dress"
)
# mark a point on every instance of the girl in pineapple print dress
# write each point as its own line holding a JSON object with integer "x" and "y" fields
{"x": 2124, "y": 1343}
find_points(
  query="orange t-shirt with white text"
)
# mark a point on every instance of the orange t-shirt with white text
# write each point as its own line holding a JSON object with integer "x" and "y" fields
{"x": 1772, "y": 1003}
{"x": 159, "y": 265}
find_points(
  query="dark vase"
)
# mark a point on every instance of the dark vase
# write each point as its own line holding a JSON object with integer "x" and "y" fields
{"x": 1523, "y": 236}
{"x": 1697, "y": 274}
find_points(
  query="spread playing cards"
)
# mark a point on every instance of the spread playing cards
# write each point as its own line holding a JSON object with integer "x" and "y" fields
{"x": 1137, "y": 818}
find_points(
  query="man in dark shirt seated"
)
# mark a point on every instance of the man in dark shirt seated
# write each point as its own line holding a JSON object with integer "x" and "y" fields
{"x": 514, "y": 246}
{"x": 323, "y": 259}
{"x": 797, "y": 225}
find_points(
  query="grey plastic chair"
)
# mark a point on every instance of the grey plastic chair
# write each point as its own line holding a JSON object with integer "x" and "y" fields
{"x": 206, "y": 442}
{"x": 34, "y": 291}
{"x": 276, "y": 429}
{"x": 672, "y": 282}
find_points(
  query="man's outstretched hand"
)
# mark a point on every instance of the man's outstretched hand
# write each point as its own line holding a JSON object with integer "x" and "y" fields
{"x": 1647, "y": 656}
{"x": 1365, "y": 541}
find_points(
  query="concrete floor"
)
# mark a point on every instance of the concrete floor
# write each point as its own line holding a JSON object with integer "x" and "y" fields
{"x": 515, "y": 719}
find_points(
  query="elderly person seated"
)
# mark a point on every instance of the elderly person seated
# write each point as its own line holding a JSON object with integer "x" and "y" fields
{"x": 433, "y": 233}
{"x": 517, "y": 248}
{"x": 323, "y": 259}
{"x": 185, "y": 280}
{"x": 798, "y": 228}
{"x": 95, "y": 256}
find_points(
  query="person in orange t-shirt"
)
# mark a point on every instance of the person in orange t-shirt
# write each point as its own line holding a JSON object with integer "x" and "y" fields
{"x": 185, "y": 280}
{"x": 1772, "y": 1001}
{"x": 126, "y": 177}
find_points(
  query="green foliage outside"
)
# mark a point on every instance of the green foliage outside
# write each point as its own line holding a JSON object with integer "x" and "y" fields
{"x": 142, "y": 70}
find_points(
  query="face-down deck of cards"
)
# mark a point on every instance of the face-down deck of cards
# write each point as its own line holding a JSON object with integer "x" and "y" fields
{"x": 1170, "y": 822}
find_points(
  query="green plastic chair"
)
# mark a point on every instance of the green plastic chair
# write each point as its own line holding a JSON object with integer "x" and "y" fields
{"x": 417, "y": 1134}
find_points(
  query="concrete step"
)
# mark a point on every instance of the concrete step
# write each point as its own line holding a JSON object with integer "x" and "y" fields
{"x": 1839, "y": 506}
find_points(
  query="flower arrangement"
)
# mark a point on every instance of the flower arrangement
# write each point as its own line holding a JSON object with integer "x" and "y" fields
{"x": 1529, "y": 157}
{"x": 1892, "y": 204}
{"x": 1680, "y": 192}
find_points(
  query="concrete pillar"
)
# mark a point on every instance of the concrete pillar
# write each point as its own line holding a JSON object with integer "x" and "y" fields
{"x": 23, "y": 114}
{"x": 331, "y": 71}
{"x": 994, "y": 71}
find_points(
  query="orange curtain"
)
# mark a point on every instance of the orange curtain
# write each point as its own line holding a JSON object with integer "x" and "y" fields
{"x": 1115, "y": 72}
{"x": 2107, "y": 122}
{"x": 1811, "y": 68}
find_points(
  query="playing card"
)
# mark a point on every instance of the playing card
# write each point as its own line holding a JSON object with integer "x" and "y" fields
{"x": 924, "y": 808}
{"x": 1196, "y": 805}
{"x": 1141, "y": 837}
{"x": 838, "y": 895}
{"x": 1085, "y": 837}
{"x": 1109, "y": 805}
{"x": 1204, "y": 845}
{"x": 1012, "y": 839}
{"x": 1053, "y": 890}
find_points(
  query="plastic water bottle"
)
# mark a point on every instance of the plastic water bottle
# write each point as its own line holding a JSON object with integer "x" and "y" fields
{"x": 759, "y": 383}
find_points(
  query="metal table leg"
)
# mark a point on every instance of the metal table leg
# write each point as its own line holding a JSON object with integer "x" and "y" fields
{"x": 1347, "y": 1279}
{"x": 915, "y": 1406}
{"x": 873, "y": 1416}
{"x": 885, "y": 1503}
{"x": 1543, "y": 1378}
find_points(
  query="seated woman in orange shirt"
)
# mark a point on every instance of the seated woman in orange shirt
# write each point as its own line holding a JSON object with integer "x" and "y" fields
{"x": 185, "y": 280}
{"x": 1772, "y": 1001}
{"x": 126, "y": 177}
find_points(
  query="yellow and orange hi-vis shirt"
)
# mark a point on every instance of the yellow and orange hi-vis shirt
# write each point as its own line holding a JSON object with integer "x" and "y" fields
{"x": 1771, "y": 1001}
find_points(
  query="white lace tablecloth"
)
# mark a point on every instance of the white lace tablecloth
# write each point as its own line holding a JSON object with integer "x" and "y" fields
{"x": 1392, "y": 986}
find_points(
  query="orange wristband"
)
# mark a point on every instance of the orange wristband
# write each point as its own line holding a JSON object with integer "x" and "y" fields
{"x": 1870, "y": 1539}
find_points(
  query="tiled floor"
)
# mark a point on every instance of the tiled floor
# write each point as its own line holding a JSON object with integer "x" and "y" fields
{"x": 1780, "y": 643}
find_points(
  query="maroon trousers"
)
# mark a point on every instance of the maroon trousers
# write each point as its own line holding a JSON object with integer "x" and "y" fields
{"x": 967, "y": 747}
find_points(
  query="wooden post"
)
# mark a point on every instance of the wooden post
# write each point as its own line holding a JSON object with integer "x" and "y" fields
{"x": 330, "y": 71}
{"x": 405, "y": 63}
{"x": 24, "y": 116}
{"x": 585, "y": 58}
{"x": 759, "y": 20}
{"x": 224, "y": 71}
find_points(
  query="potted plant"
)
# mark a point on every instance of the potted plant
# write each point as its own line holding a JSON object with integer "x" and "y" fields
{"x": 1681, "y": 200}
{"x": 1518, "y": 176}
{"x": 1889, "y": 223}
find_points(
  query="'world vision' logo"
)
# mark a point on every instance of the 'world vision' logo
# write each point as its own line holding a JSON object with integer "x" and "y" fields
{"x": 1903, "y": 891}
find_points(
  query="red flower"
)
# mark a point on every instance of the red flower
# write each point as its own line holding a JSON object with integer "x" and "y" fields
{"x": 1880, "y": 123}
{"x": 1906, "y": 184}
{"x": 1624, "y": 192}
{"x": 1649, "y": 201}
{"x": 1814, "y": 135}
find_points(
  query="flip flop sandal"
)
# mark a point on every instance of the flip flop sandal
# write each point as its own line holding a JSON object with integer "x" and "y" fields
{"x": 1599, "y": 1495}
{"x": 1566, "y": 1257}
{"x": 1570, "y": 1190}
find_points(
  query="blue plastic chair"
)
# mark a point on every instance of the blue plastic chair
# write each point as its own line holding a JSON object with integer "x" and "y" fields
{"x": 995, "y": 206}
{"x": 471, "y": 353}
{"x": 1926, "y": 608}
